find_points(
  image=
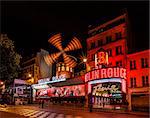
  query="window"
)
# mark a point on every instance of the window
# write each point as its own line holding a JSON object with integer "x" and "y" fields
{"x": 59, "y": 68}
{"x": 118, "y": 50}
{"x": 92, "y": 45}
{"x": 132, "y": 65}
{"x": 67, "y": 68}
{"x": 118, "y": 35}
{"x": 100, "y": 42}
{"x": 62, "y": 68}
{"x": 108, "y": 39}
{"x": 145, "y": 81}
{"x": 93, "y": 57}
{"x": 71, "y": 70}
{"x": 144, "y": 62}
{"x": 119, "y": 63}
{"x": 133, "y": 82}
{"x": 109, "y": 52}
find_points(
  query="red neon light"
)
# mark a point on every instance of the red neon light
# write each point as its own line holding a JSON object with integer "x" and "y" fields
{"x": 106, "y": 73}
{"x": 101, "y": 57}
{"x": 76, "y": 90}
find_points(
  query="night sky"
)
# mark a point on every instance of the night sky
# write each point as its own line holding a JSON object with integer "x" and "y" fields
{"x": 30, "y": 24}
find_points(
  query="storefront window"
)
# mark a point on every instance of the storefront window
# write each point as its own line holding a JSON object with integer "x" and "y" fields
{"x": 63, "y": 68}
{"x": 67, "y": 68}
{"x": 58, "y": 68}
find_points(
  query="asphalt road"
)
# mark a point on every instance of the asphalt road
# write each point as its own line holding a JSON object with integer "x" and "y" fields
{"x": 9, "y": 115}
{"x": 36, "y": 112}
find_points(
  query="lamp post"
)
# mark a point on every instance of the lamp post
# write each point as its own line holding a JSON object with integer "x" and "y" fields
{"x": 29, "y": 75}
{"x": 32, "y": 81}
{"x": 85, "y": 61}
{"x": 2, "y": 86}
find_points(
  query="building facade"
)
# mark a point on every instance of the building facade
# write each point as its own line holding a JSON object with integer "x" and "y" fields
{"x": 138, "y": 68}
{"x": 114, "y": 79}
{"x": 109, "y": 37}
{"x": 112, "y": 37}
{"x": 30, "y": 70}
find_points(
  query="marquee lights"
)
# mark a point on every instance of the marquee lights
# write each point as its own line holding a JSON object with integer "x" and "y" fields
{"x": 106, "y": 73}
{"x": 105, "y": 80}
{"x": 100, "y": 89}
{"x": 44, "y": 80}
{"x": 57, "y": 78}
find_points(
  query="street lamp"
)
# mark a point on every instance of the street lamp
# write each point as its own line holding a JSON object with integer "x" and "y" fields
{"x": 29, "y": 75}
{"x": 84, "y": 60}
{"x": 2, "y": 83}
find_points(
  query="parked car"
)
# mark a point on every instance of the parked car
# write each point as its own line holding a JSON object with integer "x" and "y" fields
{"x": 2, "y": 103}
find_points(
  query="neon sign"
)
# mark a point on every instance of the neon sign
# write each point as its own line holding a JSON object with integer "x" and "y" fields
{"x": 44, "y": 80}
{"x": 55, "y": 78}
{"x": 106, "y": 73}
{"x": 101, "y": 58}
{"x": 100, "y": 89}
{"x": 76, "y": 90}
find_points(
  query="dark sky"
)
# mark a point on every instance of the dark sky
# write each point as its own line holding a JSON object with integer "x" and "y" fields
{"x": 30, "y": 24}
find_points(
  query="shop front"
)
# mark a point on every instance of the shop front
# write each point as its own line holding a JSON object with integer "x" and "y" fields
{"x": 62, "y": 91}
{"x": 108, "y": 87}
{"x": 21, "y": 92}
{"x": 42, "y": 90}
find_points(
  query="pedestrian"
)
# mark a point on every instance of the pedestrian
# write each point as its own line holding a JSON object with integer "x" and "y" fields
{"x": 42, "y": 103}
{"x": 39, "y": 102}
{"x": 90, "y": 102}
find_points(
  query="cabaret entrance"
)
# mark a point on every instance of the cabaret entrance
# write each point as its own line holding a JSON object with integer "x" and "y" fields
{"x": 108, "y": 92}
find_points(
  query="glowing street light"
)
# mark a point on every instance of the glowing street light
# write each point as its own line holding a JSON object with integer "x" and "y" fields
{"x": 29, "y": 75}
{"x": 1, "y": 83}
{"x": 84, "y": 60}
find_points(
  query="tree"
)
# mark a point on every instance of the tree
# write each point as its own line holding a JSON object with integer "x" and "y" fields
{"x": 9, "y": 60}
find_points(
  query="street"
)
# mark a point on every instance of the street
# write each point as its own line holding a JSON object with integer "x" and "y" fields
{"x": 9, "y": 115}
{"x": 58, "y": 112}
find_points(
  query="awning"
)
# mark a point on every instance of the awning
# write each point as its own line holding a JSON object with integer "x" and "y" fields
{"x": 68, "y": 82}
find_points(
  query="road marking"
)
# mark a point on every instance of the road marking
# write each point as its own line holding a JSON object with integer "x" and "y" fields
{"x": 36, "y": 115}
{"x": 44, "y": 115}
{"x": 27, "y": 112}
{"x": 32, "y": 113}
{"x": 52, "y": 115}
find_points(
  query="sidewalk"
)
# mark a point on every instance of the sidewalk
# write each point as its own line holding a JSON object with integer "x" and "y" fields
{"x": 64, "y": 107}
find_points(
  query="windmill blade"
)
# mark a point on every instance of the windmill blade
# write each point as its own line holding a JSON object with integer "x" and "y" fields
{"x": 69, "y": 61}
{"x": 56, "y": 41}
{"x": 73, "y": 45}
{"x": 50, "y": 59}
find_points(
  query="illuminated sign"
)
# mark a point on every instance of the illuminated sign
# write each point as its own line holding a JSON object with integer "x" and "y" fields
{"x": 101, "y": 58}
{"x": 55, "y": 78}
{"x": 40, "y": 86}
{"x": 44, "y": 80}
{"x": 77, "y": 90}
{"x": 106, "y": 89}
{"x": 106, "y": 73}
{"x": 109, "y": 89}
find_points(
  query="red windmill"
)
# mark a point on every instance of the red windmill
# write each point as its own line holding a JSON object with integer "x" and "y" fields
{"x": 56, "y": 41}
